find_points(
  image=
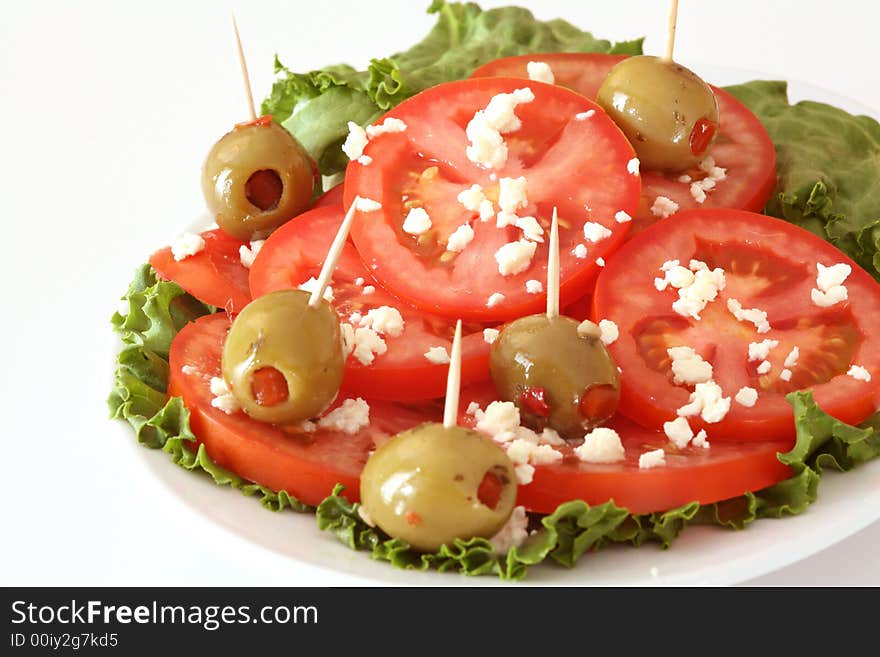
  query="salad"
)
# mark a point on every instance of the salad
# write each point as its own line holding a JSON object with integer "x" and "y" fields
{"x": 709, "y": 343}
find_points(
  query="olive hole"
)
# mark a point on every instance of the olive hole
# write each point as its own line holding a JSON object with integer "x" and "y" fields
{"x": 489, "y": 490}
{"x": 269, "y": 387}
{"x": 264, "y": 189}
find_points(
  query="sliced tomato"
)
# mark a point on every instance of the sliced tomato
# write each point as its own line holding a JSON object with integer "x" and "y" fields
{"x": 693, "y": 474}
{"x": 214, "y": 276}
{"x": 742, "y": 147}
{"x": 331, "y": 198}
{"x": 295, "y": 252}
{"x": 579, "y": 167}
{"x": 305, "y": 464}
{"x": 770, "y": 265}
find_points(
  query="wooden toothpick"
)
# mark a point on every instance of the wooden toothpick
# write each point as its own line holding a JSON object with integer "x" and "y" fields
{"x": 671, "y": 20}
{"x": 553, "y": 269}
{"x": 333, "y": 255}
{"x": 244, "y": 72}
{"x": 453, "y": 381}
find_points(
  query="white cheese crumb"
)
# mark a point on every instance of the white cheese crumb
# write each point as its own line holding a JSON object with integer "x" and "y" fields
{"x": 792, "y": 359}
{"x": 349, "y": 417}
{"x": 663, "y": 207}
{"x": 622, "y": 217}
{"x": 437, "y": 355}
{"x": 490, "y": 335}
{"x": 580, "y": 251}
{"x": 525, "y": 451}
{"x": 601, "y": 445}
{"x": 700, "y": 440}
{"x": 534, "y": 287}
{"x": 594, "y": 232}
{"x": 460, "y": 238}
{"x": 830, "y": 298}
{"x": 367, "y": 345}
{"x": 531, "y": 228}
{"x": 697, "y": 192}
{"x": 679, "y": 432}
{"x": 355, "y": 141}
{"x": 504, "y": 219}
{"x": 247, "y": 254}
{"x": 746, "y": 396}
{"x": 417, "y": 222}
{"x": 524, "y": 474}
{"x": 368, "y": 289}
{"x": 359, "y": 281}
{"x": 708, "y": 401}
{"x": 387, "y": 126}
{"x": 384, "y": 320}
{"x": 512, "y": 194}
{"x": 653, "y": 459}
{"x": 500, "y": 420}
{"x": 600, "y": 261}
{"x": 587, "y": 329}
{"x": 688, "y": 367}
{"x": 187, "y": 245}
{"x": 754, "y": 315}
{"x": 487, "y": 210}
{"x": 830, "y": 277}
{"x": 223, "y": 400}
{"x": 609, "y": 331}
{"x": 367, "y": 205}
{"x": 189, "y": 370}
{"x": 760, "y": 350}
{"x": 512, "y": 534}
{"x": 472, "y": 408}
{"x": 540, "y": 72}
{"x": 764, "y": 366}
{"x": 669, "y": 264}
{"x": 684, "y": 178}
{"x": 486, "y": 146}
{"x": 693, "y": 298}
{"x": 494, "y": 299}
{"x": 583, "y": 116}
{"x": 471, "y": 198}
{"x": 312, "y": 284}
{"x": 364, "y": 160}
{"x": 785, "y": 374}
{"x": 633, "y": 166}
{"x": 859, "y": 373}
{"x": 515, "y": 257}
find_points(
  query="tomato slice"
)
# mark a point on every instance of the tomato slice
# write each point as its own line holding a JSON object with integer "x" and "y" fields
{"x": 295, "y": 252}
{"x": 742, "y": 147}
{"x": 214, "y": 276}
{"x": 770, "y": 265}
{"x": 305, "y": 464}
{"x": 577, "y": 166}
{"x": 693, "y": 474}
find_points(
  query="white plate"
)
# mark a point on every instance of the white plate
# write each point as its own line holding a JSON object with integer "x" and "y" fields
{"x": 700, "y": 556}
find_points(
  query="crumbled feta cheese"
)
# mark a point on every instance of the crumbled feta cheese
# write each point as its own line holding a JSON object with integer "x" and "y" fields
{"x": 830, "y": 298}
{"x": 417, "y": 222}
{"x": 698, "y": 265}
{"x": 609, "y": 331}
{"x": 859, "y": 373}
{"x": 754, "y": 315}
{"x": 359, "y": 281}
{"x": 364, "y": 160}
{"x": 679, "y": 432}
{"x": 669, "y": 264}
{"x": 460, "y": 238}
{"x": 534, "y": 287}
{"x": 587, "y": 329}
{"x": 580, "y": 251}
{"x": 594, "y": 232}
{"x": 707, "y": 164}
{"x": 189, "y": 370}
{"x": 368, "y": 289}
{"x": 524, "y": 474}
{"x": 760, "y": 350}
{"x": 500, "y": 112}
{"x": 223, "y": 400}
{"x": 660, "y": 284}
{"x": 512, "y": 534}
{"x": 500, "y": 420}
{"x": 355, "y": 318}
{"x": 653, "y": 459}
{"x": 700, "y": 440}
{"x": 633, "y": 166}
{"x": 187, "y": 245}
{"x": 487, "y": 210}
{"x": 792, "y": 359}
{"x": 367, "y": 205}
{"x": 515, "y": 257}
{"x": 600, "y": 261}
{"x": 247, "y": 254}
{"x": 684, "y": 178}
{"x": 494, "y": 299}
{"x": 708, "y": 401}
{"x": 312, "y": 284}
{"x": 512, "y": 194}
{"x": 490, "y": 335}
{"x": 746, "y": 396}
{"x": 504, "y": 219}
{"x": 764, "y": 366}
{"x": 471, "y": 198}
{"x": 384, "y": 320}
{"x": 830, "y": 277}
{"x": 693, "y": 298}
{"x": 355, "y": 141}
{"x": 437, "y": 355}
{"x": 389, "y": 125}
{"x": 540, "y": 72}
{"x": 531, "y": 228}
{"x": 583, "y": 116}
{"x": 472, "y": 408}
{"x": 785, "y": 374}
{"x": 367, "y": 345}
{"x": 525, "y": 451}
{"x": 663, "y": 207}
{"x": 601, "y": 445}
{"x": 486, "y": 146}
{"x": 622, "y": 217}
{"x": 688, "y": 367}
{"x": 349, "y": 417}
{"x": 676, "y": 276}
{"x": 697, "y": 192}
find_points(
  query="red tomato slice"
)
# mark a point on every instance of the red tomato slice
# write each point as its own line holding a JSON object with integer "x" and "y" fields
{"x": 742, "y": 147}
{"x": 770, "y": 265}
{"x": 305, "y": 464}
{"x": 331, "y": 198}
{"x": 295, "y": 252}
{"x": 214, "y": 276}
{"x": 579, "y": 167}
{"x": 692, "y": 474}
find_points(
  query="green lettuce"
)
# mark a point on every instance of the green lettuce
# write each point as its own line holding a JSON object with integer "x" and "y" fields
{"x": 828, "y": 169}
{"x": 317, "y": 106}
{"x": 576, "y": 528}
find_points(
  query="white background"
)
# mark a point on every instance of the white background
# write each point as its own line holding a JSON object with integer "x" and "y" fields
{"x": 106, "y": 112}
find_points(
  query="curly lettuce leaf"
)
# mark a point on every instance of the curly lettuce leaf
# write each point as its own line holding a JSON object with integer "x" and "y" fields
{"x": 317, "y": 106}
{"x": 828, "y": 169}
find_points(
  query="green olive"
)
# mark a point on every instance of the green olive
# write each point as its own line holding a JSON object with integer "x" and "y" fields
{"x": 278, "y": 338}
{"x": 667, "y": 112}
{"x": 255, "y": 178}
{"x": 559, "y": 376}
{"x": 423, "y": 486}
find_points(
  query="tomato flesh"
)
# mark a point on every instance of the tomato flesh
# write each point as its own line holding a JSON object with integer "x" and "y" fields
{"x": 295, "y": 252}
{"x": 305, "y": 464}
{"x": 576, "y": 166}
{"x": 214, "y": 275}
{"x": 770, "y": 265}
